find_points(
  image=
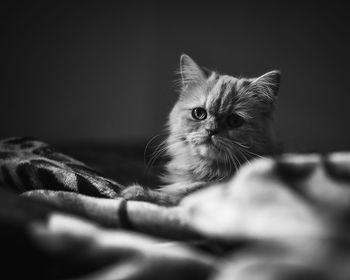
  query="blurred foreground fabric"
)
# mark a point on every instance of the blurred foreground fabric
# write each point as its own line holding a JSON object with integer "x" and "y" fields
{"x": 277, "y": 218}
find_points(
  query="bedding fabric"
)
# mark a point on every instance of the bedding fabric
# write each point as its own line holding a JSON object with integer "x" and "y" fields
{"x": 278, "y": 218}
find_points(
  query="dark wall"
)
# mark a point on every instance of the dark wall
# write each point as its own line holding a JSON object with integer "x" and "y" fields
{"x": 105, "y": 71}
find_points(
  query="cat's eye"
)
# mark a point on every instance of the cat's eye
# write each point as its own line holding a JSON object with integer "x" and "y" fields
{"x": 235, "y": 121}
{"x": 199, "y": 113}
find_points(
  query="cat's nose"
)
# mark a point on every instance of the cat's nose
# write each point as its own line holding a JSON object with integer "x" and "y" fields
{"x": 211, "y": 132}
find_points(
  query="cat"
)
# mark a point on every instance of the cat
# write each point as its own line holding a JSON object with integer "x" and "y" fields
{"x": 218, "y": 123}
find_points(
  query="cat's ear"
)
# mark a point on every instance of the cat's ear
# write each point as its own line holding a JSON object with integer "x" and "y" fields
{"x": 191, "y": 73}
{"x": 267, "y": 85}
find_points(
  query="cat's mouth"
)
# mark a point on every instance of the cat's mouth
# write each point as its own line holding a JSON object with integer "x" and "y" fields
{"x": 207, "y": 148}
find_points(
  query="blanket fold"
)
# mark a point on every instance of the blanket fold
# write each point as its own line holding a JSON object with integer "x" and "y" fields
{"x": 29, "y": 164}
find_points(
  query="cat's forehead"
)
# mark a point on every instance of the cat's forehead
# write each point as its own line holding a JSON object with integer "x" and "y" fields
{"x": 221, "y": 92}
{"x": 219, "y": 83}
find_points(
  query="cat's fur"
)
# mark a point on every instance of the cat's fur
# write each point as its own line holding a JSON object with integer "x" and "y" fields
{"x": 238, "y": 125}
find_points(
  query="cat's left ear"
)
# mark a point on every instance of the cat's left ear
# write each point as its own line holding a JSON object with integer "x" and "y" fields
{"x": 191, "y": 73}
{"x": 268, "y": 84}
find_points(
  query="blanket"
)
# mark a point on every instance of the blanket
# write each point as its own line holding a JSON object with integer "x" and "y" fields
{"x": 277, "y": 218}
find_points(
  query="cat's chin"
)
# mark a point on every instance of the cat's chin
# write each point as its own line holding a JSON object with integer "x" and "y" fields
{"x": 207, "y": 151}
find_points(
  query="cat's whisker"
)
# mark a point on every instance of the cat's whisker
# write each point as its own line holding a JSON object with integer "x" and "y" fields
{"x": 226, "y": 159}
{"x": 254, "y": 154}
{"x": 155, "y": 155}
{"x": 241, "y": 145}
{"x": 233, "y": 166}
{"x": 238, "y": 161}
{"x": 245, "y": 149}
{"x": 152, "y": 160}
{"x": 227, "y": 154}
{"x": 161, "y": 148}
{"x": 149, "y": 142}
{"x": 241, "y": 152}
{"x": 230, "y": 154}
{"x": 244, "y": 154}
{"x": 234, "y": 161}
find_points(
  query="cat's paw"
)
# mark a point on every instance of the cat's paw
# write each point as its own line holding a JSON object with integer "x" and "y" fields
{"x": 135, "y": 192}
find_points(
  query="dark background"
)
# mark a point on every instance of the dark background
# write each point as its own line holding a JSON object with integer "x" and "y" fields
{"x": 104, "y": 71}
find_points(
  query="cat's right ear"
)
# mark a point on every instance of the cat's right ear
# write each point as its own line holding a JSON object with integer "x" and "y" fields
{"x": 191, "y": 73}
{"x": 268, "y": 84}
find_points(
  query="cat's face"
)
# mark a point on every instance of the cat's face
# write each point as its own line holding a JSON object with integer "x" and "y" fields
{"x": 221, "y": 118}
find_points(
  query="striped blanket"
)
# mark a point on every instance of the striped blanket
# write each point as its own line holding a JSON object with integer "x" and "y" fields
{"x": 277, "y": 218}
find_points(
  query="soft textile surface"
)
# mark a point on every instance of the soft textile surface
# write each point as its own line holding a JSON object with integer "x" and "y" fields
{"x": 282, "y": 218}
{"x": 28, "y": 164}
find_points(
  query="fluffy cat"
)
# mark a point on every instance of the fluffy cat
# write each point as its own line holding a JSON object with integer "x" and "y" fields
{"x": 218, "y": 123}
